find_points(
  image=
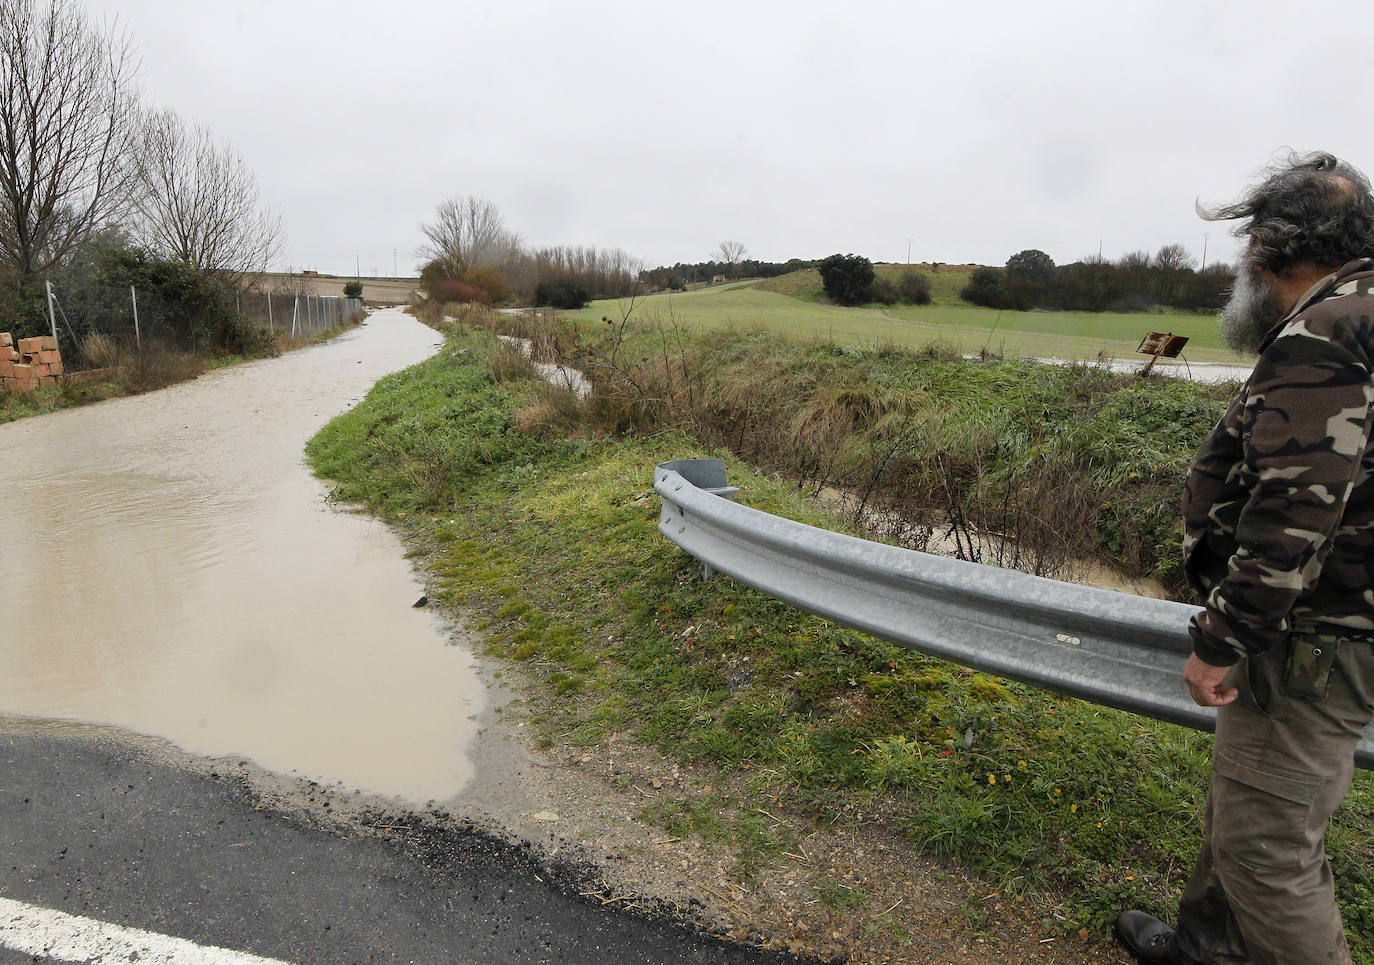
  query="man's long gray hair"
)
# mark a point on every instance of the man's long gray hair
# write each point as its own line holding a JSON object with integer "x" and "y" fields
{"x": 1312, "y": 208}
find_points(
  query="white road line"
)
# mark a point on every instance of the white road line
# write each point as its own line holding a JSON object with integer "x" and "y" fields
{"x": 70, "y": 938}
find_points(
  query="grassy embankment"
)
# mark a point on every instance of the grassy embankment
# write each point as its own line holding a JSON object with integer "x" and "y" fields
{"x": 549, "y": 538}
{"x": 791, "y": 305}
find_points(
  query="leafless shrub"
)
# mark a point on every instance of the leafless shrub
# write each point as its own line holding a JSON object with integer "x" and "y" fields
{"x": 643, "y": 374}
{"x": 1030, "y": 523}
{"x": 198, "y": 203}
{"x": 156, "y": 366}
{"x": 153, "y": 366}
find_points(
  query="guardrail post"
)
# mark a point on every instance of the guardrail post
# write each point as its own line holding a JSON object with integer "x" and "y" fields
{"x": 708, "y": 475}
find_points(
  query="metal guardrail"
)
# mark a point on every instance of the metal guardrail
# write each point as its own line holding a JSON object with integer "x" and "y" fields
{"x": 1109, "y": 648}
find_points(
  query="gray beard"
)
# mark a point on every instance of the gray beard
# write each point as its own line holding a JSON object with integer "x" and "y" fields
{"x": 1250, "y": 313}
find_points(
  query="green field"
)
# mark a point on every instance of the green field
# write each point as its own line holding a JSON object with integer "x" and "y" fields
{"x": 788, "y": 305}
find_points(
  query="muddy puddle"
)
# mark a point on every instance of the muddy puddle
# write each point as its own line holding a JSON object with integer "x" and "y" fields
{"x": 168, "y": 565}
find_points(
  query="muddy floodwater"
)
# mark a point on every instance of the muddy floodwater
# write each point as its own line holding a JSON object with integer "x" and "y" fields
{"x": 169, "y": 565}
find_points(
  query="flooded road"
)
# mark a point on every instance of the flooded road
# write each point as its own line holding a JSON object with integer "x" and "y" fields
{"x": 169, "y": 565}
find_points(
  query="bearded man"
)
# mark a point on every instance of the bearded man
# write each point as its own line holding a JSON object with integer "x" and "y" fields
{"x": 1279, "y": 541}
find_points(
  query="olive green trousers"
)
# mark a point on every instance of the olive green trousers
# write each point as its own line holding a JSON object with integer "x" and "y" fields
{"x": 1261, "y": 891}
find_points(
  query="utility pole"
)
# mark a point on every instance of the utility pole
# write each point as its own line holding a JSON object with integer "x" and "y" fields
{"x": 394, "y": 272}
{"x": 357, "y": 270}
{"x": 1204, "y": 252}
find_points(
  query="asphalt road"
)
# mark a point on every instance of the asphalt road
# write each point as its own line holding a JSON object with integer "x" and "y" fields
{"x": 111, "y": 830}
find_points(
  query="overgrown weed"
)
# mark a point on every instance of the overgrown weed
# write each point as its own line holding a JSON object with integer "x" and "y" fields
{"x": 1001, "y": 461}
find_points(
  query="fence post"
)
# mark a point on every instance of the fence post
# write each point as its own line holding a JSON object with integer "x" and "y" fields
{"x": 295, "y": 311}
{"x": 269, "y": 314}
{"x": 52, "y": 316}
{"x": 138, "y": 339}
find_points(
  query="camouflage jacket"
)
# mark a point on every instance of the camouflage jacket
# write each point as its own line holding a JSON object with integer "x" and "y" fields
{"x": 1279, "y": 504}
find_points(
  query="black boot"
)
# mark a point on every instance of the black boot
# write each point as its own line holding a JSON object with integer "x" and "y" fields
{"x": 1148, "y": 939}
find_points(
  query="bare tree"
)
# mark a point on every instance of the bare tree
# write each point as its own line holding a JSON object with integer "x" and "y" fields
{"x": 1173, "y": 265}
{"x": 1174, "y": 258}
{"x": 67, "y": 119}
{"x": 468, "y": 232}
{"x": 198, "y": 202}
{"x": 731, "y": 252}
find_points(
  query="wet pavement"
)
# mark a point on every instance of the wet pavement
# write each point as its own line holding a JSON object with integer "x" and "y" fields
{"x": 128, "y": 833}
{"x": 170, "y": 566}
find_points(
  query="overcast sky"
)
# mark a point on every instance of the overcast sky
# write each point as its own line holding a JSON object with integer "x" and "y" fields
{"x": 970, "y": 130}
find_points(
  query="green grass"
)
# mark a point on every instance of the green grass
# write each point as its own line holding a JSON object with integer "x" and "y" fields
{"x": 21, "y": 405}
{"x": 552, "y": 545}
{"x": 1069, "y": 335}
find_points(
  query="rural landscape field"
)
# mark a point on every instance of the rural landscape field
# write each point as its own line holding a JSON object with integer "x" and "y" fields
{"x": 360, "y": 619}
{"x": 791, "y": 304}
{"x": 748, "y": 738}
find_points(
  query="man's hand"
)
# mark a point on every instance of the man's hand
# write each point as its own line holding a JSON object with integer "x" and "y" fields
{"x": 1205, "y": 683}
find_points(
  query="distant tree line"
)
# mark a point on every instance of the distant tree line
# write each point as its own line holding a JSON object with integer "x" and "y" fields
{"x": 682, "y": 274}
{"x": 472, "y": 256}
{"x": 1136, "y": 282}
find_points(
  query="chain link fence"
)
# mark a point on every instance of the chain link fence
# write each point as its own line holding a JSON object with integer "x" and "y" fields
{"x": 133, "y": 318}
{"x": 296, "y": 314}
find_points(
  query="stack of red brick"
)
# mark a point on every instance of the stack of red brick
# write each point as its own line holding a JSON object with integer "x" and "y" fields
{"x": 34, "y": 362}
